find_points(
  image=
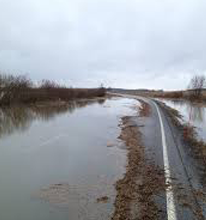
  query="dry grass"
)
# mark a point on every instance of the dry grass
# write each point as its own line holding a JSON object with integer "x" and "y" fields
{"x": 54, "y": 94}
{"x": 141, "y": 182}
{"x": 34, "y": 95}
{"x": 187, "y": 94}
{"x": 170, "y": 95}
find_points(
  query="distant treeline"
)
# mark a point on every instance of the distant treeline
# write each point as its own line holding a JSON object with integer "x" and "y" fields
{"x": 196, "y": 90}
{"x": 170, "y": 95}
{"x": 190, "y": 94}
{"x": 21, "y": 89}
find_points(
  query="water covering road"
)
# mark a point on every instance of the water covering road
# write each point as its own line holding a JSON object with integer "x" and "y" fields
{"x": 55, "y": 162}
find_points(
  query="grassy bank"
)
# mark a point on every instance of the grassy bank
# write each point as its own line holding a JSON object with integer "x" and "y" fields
{"x": 20, "y": 89}
{"x": 170, "y": 95}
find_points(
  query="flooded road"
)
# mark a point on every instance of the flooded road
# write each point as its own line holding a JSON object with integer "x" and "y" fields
{"x": 193, "y": 113}
{"x": 61, "y": 162}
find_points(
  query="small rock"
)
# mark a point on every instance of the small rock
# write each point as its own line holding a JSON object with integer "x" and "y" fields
{"x": 103, "y": 199}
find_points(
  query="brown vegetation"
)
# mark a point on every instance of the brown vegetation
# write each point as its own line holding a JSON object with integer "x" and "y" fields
{"x": 145, "y": 109}
{"x": 20, "y": 89}
{"x": 196, "y": 86}
{"x": 198, "y": 147}
{"x": 141, "y": 182}
{"x": 103, "y": 199}
{"x": 194, "y": 92}
{"x": 190, "y": 94}
{"x": 170, "y": 95}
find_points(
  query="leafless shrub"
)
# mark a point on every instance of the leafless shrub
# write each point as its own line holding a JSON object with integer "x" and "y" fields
{"x": 48, "y": 84}
{"x": 16, "y": 89}
{"x": 12, "y": 86}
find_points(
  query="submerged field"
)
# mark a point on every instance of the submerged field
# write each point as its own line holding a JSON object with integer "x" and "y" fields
{"x": 194, "y": 114}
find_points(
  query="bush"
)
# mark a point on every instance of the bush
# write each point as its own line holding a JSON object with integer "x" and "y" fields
{"x": 20, "y": 89}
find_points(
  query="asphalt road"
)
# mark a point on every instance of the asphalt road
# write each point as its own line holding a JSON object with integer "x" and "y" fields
{"x": 164, "y": 145}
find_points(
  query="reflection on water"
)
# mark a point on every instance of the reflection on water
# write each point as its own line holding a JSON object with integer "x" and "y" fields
{"x": 194, "y": 113}
{"x": 55, "y": 162}
{"x": 21, "y": 117}
{"x": 14, "y": 118}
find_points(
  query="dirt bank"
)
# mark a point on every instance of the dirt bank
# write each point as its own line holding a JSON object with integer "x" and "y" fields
{"x": 145, "y": 109}
{"x": 141, "y": 183}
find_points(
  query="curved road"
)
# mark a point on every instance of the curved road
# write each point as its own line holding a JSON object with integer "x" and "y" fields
{"x": 165, "y": 147}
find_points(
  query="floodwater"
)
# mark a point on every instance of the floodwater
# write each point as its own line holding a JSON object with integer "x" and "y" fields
{"x": 193, "y": 113}
{"x": 61, "y": 162}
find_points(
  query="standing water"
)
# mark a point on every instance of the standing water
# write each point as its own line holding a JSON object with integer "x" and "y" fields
{"x": 193, "y": 113}
{"x": 61, "y": 162}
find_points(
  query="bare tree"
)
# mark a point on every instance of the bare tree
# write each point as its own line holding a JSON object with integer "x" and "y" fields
{"x": 48, "y": 84}
{"x": 196, "y": 85}
{"x": 11, "y": 87}
{"x": 1, "y": 80}
{"x": 1, "y": 87}
{"x": 22, "y": 82}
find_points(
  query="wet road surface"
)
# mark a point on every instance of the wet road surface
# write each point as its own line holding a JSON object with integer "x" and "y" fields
{"x": 34, "y": 157}
{"x": 181, "y": 199}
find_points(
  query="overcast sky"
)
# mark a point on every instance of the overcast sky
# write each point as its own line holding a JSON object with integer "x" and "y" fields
{"x": 121, "y": 43}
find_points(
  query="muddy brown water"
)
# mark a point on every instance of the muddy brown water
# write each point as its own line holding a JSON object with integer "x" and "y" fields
{"x": 55, "y": 162}
{"x": 193, "y": 113}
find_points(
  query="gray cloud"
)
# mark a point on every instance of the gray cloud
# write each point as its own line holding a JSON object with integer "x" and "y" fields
{"x": 137, "y": 43}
